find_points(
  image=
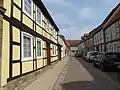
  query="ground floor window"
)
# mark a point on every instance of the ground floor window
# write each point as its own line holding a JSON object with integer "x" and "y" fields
{"x": 39, "y": 48}
{"x": 27, "y": 46}
{"x": 54, "y": 50}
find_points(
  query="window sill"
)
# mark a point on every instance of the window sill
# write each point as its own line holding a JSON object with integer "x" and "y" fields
{"x": 40, "y": 57}
{"x": 27, "y": 59}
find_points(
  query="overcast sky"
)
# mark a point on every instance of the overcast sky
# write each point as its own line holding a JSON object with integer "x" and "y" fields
{"x": 75, "y": 17}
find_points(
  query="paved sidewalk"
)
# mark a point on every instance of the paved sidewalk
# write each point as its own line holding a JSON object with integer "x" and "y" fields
{"x": 46, "y": 81}
{"x": 76, "y": 72}
{"x": 72, "y": 75}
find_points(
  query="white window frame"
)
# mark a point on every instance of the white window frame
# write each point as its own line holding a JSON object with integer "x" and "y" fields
{"x": 29, "y": 36}
{"x": 31, "y": 16}
{"x": 55, "y": 48}
{"x": 53, "y": 52}
{"x": 54, "y": 33}
{"x": 37, "y": 17}
{"x": 48, "y": 26}
{"x": 38, "y": 57}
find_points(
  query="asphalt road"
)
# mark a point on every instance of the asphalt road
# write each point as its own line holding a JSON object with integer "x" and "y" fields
{"x": 81, "y": 75}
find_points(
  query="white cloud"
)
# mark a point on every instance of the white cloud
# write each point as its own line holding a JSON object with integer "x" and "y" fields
{"x": 86, "y": 29}
{"x": 69, "y": 29}
{"x": 86, "y": 13}
{"x": 63, "y": 19}
{"x": 62, "y": 3}
{"x": 75, "y": 32}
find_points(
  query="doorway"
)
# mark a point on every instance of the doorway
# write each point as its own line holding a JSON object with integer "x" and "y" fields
{"x": 48, "y": 54}
{"x": 59, "y": 53}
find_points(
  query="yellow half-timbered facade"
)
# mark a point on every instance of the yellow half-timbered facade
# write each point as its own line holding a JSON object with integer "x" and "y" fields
{"x": 28, "y": 39}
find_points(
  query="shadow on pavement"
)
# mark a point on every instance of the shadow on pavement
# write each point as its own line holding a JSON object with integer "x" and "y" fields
{"x": 78, "y": 85}
{"x": 112, "y": 73}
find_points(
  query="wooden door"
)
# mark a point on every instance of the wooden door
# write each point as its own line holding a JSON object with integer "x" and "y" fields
{"x": 48, "y": 54}
{"x": 59, "y": 53}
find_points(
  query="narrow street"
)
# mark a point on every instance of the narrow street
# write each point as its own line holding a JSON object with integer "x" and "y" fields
{"x": 81, "y": 75}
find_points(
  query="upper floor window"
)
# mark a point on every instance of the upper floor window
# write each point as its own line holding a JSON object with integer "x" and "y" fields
{"x": 28, "y": 7}
{"x": 39, "y": 16}
{"x": 54, "y": 33}
{"x": 51, "y": 30}
{"x": 48, "y": 25}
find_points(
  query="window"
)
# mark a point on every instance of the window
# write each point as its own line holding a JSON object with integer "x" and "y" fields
{"x": 28, "y": 7}
{"x": 51, "y": 30}
{"x": 27, "y": 47}
{"x": 39, "y": 48}
{"x": 54, "y": 33}
{"x": 53, "y": 49}
{"x": 45, "y": 25}
{"x": 48, "y": 25}
{"x": 39, "y": 16}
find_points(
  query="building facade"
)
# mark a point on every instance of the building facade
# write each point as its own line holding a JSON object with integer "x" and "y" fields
{"x": 112, "y": 32}
{"x": 99, "y": 40}
{"x": 72, "y": 46}
{"x": 63, "y": 48}
{"x": 106, "y": 37}
{"x": 81, "y": 48}
{"x": 28, "y": 39}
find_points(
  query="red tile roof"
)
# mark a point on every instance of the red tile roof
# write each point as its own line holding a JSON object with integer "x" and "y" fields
{"x": 67, "y": 43}
{"x": 72, "y": 42}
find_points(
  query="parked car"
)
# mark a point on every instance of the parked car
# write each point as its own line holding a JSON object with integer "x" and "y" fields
{"x": 91, "y": 55}
{"x": 107, "y": 60}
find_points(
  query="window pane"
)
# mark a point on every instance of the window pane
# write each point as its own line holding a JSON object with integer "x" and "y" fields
{"x": 53, "y": 50}
{"x": 27, "y": 46}
{"x": 47, "y": 25}
{"x": 38, "y": 16}
{"x": 38, "y": 48}
{"x": 28, "y": 6}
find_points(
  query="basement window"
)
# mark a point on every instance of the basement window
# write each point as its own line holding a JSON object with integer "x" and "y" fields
{"x": 39, "y": 48}
{"x": 28, "y": 7}
{"x": 27, "y": 47}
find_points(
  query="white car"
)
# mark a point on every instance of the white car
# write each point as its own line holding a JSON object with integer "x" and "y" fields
{"x": 92, "y": 55}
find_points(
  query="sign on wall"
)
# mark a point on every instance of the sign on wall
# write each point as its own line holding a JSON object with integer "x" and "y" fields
{"x": 74, "y": 48}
